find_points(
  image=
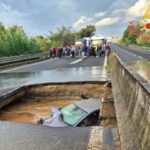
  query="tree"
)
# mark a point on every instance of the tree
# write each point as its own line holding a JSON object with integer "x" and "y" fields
{"x": 88, "y": 31}
{"x": 128, "y": 37}
{"x": 2, "y": 27}
{"x": 136, "y": 35}
{"x": 14, "y": 41}
{"x": 62, "y": 37}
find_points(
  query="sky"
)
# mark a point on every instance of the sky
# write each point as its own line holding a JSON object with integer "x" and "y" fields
{"x": 39, "y": 17}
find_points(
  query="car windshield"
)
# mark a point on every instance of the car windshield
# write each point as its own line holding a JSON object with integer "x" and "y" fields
{"x": 72, "y": 114}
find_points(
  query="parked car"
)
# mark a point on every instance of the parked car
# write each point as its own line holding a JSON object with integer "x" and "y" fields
{"x": 78, "y": 114}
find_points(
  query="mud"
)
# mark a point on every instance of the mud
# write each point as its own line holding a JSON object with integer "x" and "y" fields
{"x": 30, "y": 111}
{"x": 39, "y": 100}
{"x": 108, "y": 122}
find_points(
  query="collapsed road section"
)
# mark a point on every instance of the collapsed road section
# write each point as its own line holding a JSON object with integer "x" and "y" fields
{"x": 36, "y": 101}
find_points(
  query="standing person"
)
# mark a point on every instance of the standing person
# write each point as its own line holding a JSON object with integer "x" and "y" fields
{"x": 60, "y": 52}
{"x": 64, "y": 51}
{"x": 80, "y": 50}
{"x": 51, "y": 51}
{"x": 100, "y": 51}
{"x": 97, "y": 51}
{"x": 73, "y": 51}
{"x": 57, "y": 52}
{"x": 68, "y": 51}
{"x": 77, "y": 51}
{"x": 107, "y": 50}
{"x": 54, "y": 52}
{"x": 84, "y": 50}
{"x": 88, "y": 47}
{"x": 93, "y": 52}
{"x": 104, "y": 46}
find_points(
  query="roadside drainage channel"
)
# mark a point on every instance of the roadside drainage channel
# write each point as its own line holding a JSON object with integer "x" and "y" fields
{"x": 36, "y": 101}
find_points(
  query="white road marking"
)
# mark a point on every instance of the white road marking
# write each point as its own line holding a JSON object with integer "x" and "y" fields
{"x": 95, "y": 138}
{"x": 24, "y": 66}
{"x": 104, "y": 75}
{"x": 77, "y": 61}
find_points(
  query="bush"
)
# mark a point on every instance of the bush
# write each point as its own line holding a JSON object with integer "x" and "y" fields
{"x": 14, "y": 41}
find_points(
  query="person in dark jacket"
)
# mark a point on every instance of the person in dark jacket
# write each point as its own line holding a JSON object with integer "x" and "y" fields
{"x": 107, "y": 50}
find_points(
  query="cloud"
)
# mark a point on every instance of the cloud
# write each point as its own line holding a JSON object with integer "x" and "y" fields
{"x": 82, "y": 22}
{"x": 119, "y": 13}
{"x": 107, "y": 21}
{"x": 99, "y": 14}
{"x": 40, "y": 17}
{"x": 138, "y": 9}
{"x": 11, "y": 16}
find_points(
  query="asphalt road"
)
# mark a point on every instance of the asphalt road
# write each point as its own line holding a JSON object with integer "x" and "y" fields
{"x": 16, "y": 136}
{"x": 56, "y": 63}
{"x": 52, "y": 70}
{"x": 130, "y": 55}
{"x": 126, "y": 54}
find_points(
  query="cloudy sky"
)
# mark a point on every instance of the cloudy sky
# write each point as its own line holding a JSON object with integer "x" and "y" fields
{"x": 41, "y": 16}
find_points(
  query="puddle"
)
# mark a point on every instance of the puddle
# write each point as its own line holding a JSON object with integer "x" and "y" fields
{"x": 142, "y": 68}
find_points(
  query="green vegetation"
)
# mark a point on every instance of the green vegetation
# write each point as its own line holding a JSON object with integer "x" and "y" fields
{"x": 86, "y": 32}
{"x": 108, "y": 69}
{"x": 14, "y": 41}
{"x": 136, "y": 36}
{"x": 64, "y": 36}
{"x": 128, "y": 37}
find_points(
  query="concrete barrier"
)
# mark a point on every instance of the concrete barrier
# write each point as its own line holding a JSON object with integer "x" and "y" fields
{"x": 132, "y": 102}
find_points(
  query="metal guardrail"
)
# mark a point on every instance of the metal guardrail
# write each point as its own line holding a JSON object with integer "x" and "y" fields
{"x": 21, "y": 58}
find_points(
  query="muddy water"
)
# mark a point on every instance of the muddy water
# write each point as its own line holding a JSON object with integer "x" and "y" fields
{"x": 142, "y": 68}
{"x": 30, "y": 111}
{"x": 38, "y": 101}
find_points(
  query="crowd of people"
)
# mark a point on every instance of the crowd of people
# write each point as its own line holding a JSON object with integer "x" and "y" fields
{"x": 80, "y": 51}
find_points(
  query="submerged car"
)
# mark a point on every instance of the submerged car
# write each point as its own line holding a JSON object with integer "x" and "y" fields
{"x": 78, "y": 114}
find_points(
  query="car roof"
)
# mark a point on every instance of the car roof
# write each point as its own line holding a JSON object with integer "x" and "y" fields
{"x": 89, "y": 105}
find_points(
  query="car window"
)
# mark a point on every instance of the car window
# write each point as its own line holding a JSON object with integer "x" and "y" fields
{"x": 90, "y": 120}
{"x": 72, "y": 114}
